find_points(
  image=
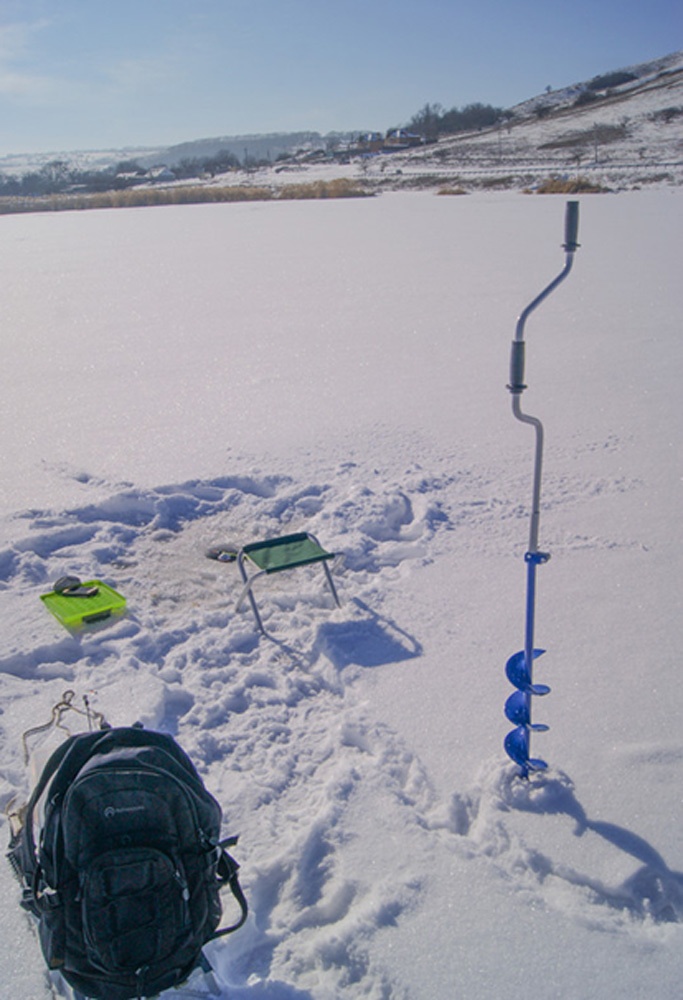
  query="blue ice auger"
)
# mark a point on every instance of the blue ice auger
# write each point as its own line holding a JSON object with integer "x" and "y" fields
{"x": 519, "y": 668}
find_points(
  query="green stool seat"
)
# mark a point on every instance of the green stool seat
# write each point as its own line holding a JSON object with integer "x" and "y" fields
{"x": 277, "y": 554}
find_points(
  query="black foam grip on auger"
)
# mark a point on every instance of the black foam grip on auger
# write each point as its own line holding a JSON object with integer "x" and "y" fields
{"x": 517, "y": 367}
{"x": 571, "y": 226}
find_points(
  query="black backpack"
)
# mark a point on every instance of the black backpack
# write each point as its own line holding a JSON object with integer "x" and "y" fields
{"x": 125, "y": 882}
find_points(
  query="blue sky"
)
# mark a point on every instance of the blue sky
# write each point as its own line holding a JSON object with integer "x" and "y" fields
{"x": 108, "y": 74}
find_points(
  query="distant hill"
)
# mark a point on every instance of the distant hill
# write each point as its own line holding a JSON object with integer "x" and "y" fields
{"x": 244, "y": 147}
{"x": 624, "y": 128}
{"x": 250, "y": 147}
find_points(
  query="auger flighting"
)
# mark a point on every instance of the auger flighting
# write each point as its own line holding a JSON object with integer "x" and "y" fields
{"x": 519, "y": 668}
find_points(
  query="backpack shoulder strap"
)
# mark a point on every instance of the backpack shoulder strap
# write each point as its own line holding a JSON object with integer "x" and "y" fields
{"x": 71, "y": 754}
{"x": 227, "y": 874}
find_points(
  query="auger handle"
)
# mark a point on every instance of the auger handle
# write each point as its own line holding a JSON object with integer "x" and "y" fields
{"x": 571, "y": 226}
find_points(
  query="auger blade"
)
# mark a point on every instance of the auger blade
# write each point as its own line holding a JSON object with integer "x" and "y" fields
{"x": 517, "y": 748}
{"x": 518, "y": 674}
{"x": 517, "y": 711}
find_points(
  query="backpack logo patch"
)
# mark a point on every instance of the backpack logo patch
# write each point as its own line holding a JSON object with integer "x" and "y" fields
{"x": 111, "y": 811}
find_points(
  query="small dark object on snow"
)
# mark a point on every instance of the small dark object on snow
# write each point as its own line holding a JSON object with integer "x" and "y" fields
{"x": 223, "y": 553}
{"x": 71, "y": 586}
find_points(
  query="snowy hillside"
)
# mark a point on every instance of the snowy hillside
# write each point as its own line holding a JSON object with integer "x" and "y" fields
{"x": 178, "y": 377}
{"x": 628, "y": 136}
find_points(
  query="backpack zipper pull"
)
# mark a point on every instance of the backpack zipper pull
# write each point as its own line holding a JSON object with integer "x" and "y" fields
{"x": 183, "y": 884}
{"x": 139, "y": 981}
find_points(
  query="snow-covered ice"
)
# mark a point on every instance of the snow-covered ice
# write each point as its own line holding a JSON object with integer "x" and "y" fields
{"x": 176, "y": 377}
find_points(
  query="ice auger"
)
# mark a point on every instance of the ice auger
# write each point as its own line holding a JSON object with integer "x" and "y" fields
{"x": 519, "y": 668}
